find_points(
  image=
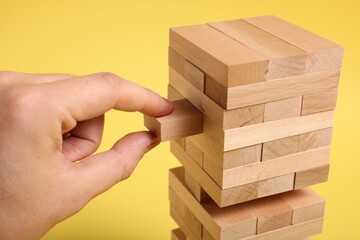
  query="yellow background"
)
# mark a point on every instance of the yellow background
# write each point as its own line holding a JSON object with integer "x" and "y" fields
{"x": 130, "y": 38}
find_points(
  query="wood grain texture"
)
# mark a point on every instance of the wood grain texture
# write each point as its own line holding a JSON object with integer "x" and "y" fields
{"x": 272, "y": 213}
{"x": 178, "y": 234}
{"x": 176, "y": 61}
{"x": 226, "y": 60}
{"x": 279, "y": 89}
{"x": 319, "y": 102}
{"x": 234, "y": 195}
{"x": 311, "y": 177}
{"x": 270, "y": 131}
{"x": 184, "y": 121}
{"x": 279, "y": 148}
{"x": 323, "y": 54}
{"x": 224, "y": 119}
{"x": 276, "y": 185}
{"x": 282, "y": 109}
{"x": 194, "y": 75}
{"x": 194, "y": 152}
{"x": 306, "y": 204}
{"x": 225, "y": 224}
{"x": 223, "y": 198}
{"x": 276, "y": 167}
{"x": 186, "y": 216}
{"x": 293, "y": 232}
{"x": 315, "y": 139}
{"x": 285, "y": 60}
{"x": 195, "y": 188}
{"x": 173, "y": 95}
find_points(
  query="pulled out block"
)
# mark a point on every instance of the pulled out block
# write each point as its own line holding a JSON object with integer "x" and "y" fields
{"x": 185, "y": 120}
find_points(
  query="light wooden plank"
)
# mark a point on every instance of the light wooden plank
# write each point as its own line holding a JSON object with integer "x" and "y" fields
{"x": 195, "y": 153}
{"x": 276, "y": 185}
{"x": 315, "y": 139}
{"x": 279, "y": 89}
{"x": 311, "y": 177}
{"x": 275, "y": 90}
{"x": 194, "y": 75}
{"x": 306, "y": 205}
{"x": 176, "y": 61}
{"x": 282, "y": 109}
{"x": 177, "y": 234}
{"x": 285, "y": 60}
{"x": 323, "y": 54}
{"x": 276, "y": 167}
{"x": 174, "y": 95}
{"x": 225, "y": 224}
{"x": 216, "y": 91}
{"x": 224, "y": 119}
{"x": 184, "y": 121}
{"x": 183, "y": 212}
{"x": 223, "y": 198}
{"x": 293, "y": 232}
{"x": 223, "y": 58}
{"x": 279, "y": 148}
{"x": 195, "y": 188}
{"x": 269, "y": 131}
{"x": 272, "y": 213}
{"x": 319, "y": 102}
{"x": 181, "y": 142}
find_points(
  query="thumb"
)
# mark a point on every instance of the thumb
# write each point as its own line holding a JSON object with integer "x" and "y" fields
{"x": 100, "y": 172}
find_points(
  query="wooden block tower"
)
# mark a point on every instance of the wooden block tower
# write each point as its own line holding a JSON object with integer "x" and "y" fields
{"x": 254, "y": 104}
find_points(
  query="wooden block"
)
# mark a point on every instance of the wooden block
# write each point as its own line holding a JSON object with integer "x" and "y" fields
{"x": 319, "y": 102}
{"x": 223, "y": 198}
{"x": 224, "y": 119}
{"x": 315, "y": 139}
{"x": 323, "y": 54}
{"x": 207, "y": 235}
{"x": 226, "y": 224}
{"x": 270, "y": 131}
{"x": 185, "y": 120}
{"x": 177, "y": 234}
{"x": 293, "y": 232}
{"x": 185, "y": 218}
{"x": 285, "y": 60}
{"x": 283, "y": 109}
{"x": 194, "y": 152}
{"x": 194, "y": 75}
{"x": 306, "y": 205}
{"x": 279, "y": 148}
{"x": 311, "y": 177}
{"x": 181, "y": 142}
{"x": 195, "y": 188}
{"x": 266, "y": 187}
{"x": 275, "y": 185}
{"x": 223, "y": 58}
{"x": 272, "y": 213}
{"x": 216, "y": 91}
{"x": 174, "y": 95}
{"x": 276, "y": 167}
{"x": 176, "y": 61}
{"x": 234, "y": 158}
{"x": 279, "y": 89}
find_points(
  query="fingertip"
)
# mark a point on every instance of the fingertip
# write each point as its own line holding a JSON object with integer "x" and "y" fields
{"x": 168, "y": 107}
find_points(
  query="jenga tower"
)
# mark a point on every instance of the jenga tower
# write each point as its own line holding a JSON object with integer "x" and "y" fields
{"x": 254, "y": 104}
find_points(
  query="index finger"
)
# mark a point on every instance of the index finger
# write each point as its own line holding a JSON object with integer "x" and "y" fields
{"x": 90, "y": 96}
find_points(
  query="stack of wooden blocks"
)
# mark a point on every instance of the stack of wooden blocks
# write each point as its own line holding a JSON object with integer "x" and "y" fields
{"x": 254, "y": 103}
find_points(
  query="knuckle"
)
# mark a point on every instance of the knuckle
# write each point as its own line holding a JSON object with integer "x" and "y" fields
{"x": 111, "y": 78}
{"x": 22, "y": 99}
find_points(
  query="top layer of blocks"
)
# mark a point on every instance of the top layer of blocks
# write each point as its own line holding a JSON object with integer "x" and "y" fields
{"x": 238, "y": 56}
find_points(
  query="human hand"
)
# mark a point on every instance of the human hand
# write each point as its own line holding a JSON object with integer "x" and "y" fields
{"x": 50, "y": 125}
